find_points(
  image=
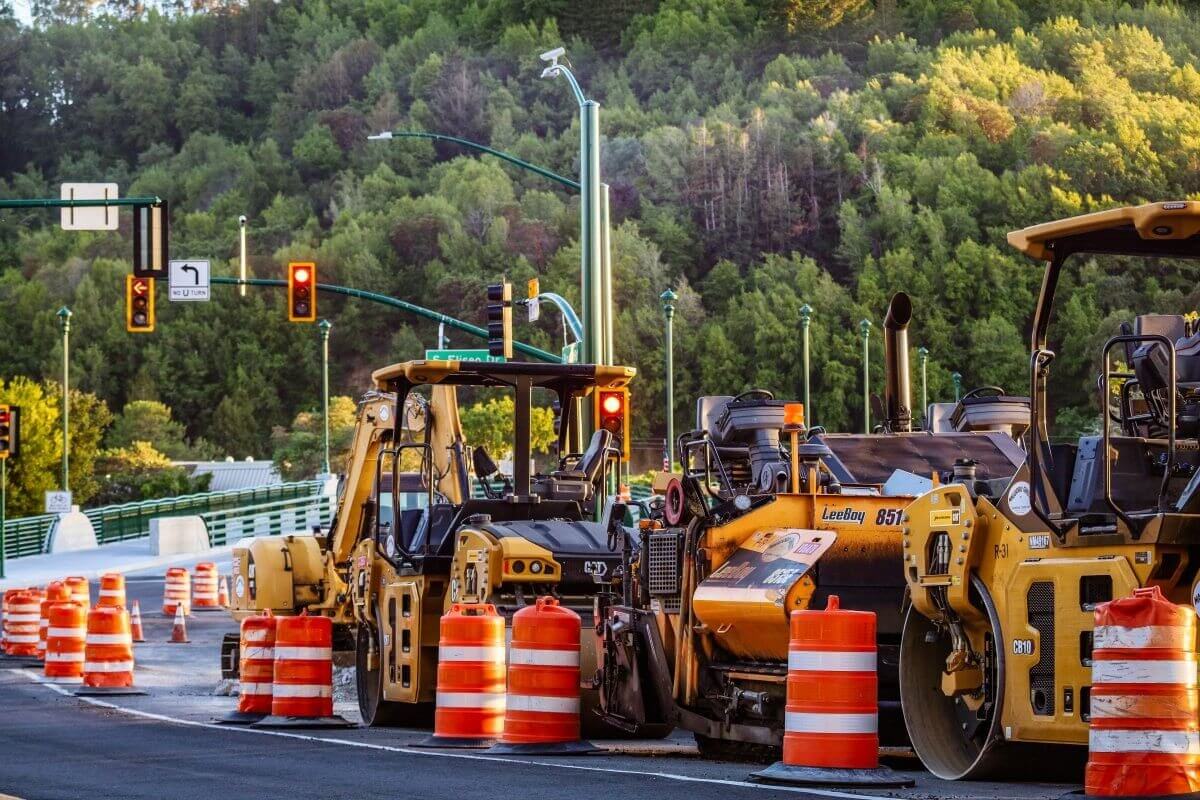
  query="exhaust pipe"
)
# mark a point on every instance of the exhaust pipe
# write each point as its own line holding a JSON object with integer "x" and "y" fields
{"x": 897, "y": 398}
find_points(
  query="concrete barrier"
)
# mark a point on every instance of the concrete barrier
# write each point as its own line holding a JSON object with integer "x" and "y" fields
{"x": 178, "y": 535}
{"x": 71, "y": 531}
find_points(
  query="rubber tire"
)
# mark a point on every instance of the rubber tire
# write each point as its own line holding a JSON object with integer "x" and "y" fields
{"x": 377, "y": 713}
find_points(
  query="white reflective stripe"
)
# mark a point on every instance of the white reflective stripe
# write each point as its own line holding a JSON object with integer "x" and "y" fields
{"x": 1170, "y": 742}
{"x": 21, "y": 638}
{"x": 301, "y": 690}
{"x": 543, "y": 703}
{"x": 1144, "y": 672}
{"x": 1164, "y": 636}
{"x": 491, "y": 701}
{"x": 831, "y": 661}
{"x": 256, "y": 688}
{"x": 66, "y": 633}
{"x": 110, "y": 638}
{"x": 34, "y": 609}
{"x": 108, "y": 666}
{"x": 303, "y": 653}
{"x": 259, "y": 635}
{"x": 69, "y": 679}
{"x": 112, "y": 592}
{"x": 805, "y": 722}
{"x": 43, "y": 623}
{"x": 521, "y": 656}
{"x": 259, "y": 654}
{"x": 53, "y": 656}
{"x": 16, "y": 619}
{"x": 493, "y": 654}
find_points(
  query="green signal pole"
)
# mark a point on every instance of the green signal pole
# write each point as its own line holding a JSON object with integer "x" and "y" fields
{"x": 3, "y": 503}
{"x": 806, "y": 313}
{"x": 668, "y": 298}
{"x": 923, "y": 354}
{"x": 957, "y": 378}
{"x": 64, "y": 317}
{"x": 865, "y": 327}
{"x": 324, "y": 326}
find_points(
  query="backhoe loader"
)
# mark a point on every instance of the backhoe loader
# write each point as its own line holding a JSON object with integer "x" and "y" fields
{"x": 766, "y": 518}
{"x": 995, "y": 654}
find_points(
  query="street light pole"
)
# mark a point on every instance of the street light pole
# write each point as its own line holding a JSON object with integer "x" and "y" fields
{"x": 923, "y": 354}
{"x": 805, "y": 318}
{"x": 324, "y": 327}
{"x": 668, "y": 298}
{"x": 957, "y": 378}
{"x": 865, "y": 327}
{"x": 242, "y": 260}
{"x": 64, "y": 318}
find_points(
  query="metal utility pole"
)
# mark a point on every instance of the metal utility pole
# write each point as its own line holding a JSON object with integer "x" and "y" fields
{"x": 324, "y": 327}
{"x": 865, "y": 327}
{"x": 242, "y": 260}
{"x": 64, "y": 318}
{"x": 923, "y": 354}
{"x": 3, "y": 504}
{"x": 806, "y": 313}
{"x": 668, "y": 298}
{"x": 606, "y": 288}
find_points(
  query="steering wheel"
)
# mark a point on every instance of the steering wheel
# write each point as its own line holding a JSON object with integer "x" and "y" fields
{"x": 763, "y": 393}
{"x": 981, "y": 390}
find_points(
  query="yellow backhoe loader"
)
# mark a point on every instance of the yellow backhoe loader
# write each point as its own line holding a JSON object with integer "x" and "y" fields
{"x": 769, "y": 517}
{"x": 995, "y": 655}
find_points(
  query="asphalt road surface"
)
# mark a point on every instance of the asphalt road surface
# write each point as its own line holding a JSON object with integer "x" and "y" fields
{"x": 164, "y": 745}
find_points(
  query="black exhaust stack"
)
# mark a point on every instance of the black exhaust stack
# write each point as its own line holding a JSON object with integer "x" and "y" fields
{"x": 897, "y": 398}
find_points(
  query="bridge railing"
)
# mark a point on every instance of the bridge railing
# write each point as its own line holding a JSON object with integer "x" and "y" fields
{"x": 26, "y": 536}
{"x": 293, "y": 515}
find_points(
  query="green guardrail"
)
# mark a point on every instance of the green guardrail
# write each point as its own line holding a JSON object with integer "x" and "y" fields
{"x": 294, "y": 515}
{"x": 26, "y": 536}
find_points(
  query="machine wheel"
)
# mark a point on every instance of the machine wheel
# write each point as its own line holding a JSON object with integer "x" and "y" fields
{"x": 953, "y": 741}
{"x": 377, "y": 712}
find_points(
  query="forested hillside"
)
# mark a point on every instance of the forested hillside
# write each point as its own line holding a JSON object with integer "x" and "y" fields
{"x": 762, "y": 154}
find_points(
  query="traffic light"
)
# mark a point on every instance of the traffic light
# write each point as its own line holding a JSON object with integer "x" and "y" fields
{"x": 10, "y": 430}
{"x": 150, "y": 241}
{"x": 612, "y": 414}
{"x": 499, "y": 319}
{"x": 139, "y": 304}
{"x": 302, "y": 291}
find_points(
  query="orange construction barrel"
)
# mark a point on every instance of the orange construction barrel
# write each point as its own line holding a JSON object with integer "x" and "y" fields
{"x": 112, "y": 590}
{"x": 177, "y": 591}
{"x": 470, "y": 687}
{"x": 302, "y": 675}
{"x": 65, "y": 641}
{"x": 56, "y": 592}
{"x": 256, "y": 670}
{"x": 832, "y": 714}
{"x": 108, "y": 653}
{"x": 21, "y": 619}
{"x": 81, "y": 591}
{"x": 205, "y": 593}
{"x": 1144, "y": 740}
{"x": 541, "y": 712}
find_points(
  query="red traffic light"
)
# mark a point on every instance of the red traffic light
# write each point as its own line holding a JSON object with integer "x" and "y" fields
{"x": 612, "y": 414}
{"x": 302, "y": 300}
{"x": 611, "y": 404}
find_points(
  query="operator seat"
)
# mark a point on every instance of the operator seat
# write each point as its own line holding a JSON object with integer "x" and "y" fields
{"x": 578, "y": 482}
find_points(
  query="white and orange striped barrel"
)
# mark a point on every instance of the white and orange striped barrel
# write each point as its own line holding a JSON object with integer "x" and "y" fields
{"x": 21, "y": 622}
{"x": 81, "y": 590}
{"x": 108, "y": 649}
{"x": 302, "y": 683}
{"x": 112, "y": 590}
{"x": 256, "y": 664}
{"x": 8, "y": 594}
{"x": 205, "y": 593}
{"x": 832, "y": 716}
{"x": 470, "y": 686}
{"x": 177, "y": 591}
{"x": 1144, "y": 739}
{"x": 56, "y": 592}
{"x": 65, "y": 642}
{"x": 542, "y": 704}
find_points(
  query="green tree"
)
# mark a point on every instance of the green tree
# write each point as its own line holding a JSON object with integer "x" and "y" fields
{"x": 139, "y": 472}
{"x": 490, "y": 424}
{"x": 148, "y": 421}
{"x": 299, "y": 450}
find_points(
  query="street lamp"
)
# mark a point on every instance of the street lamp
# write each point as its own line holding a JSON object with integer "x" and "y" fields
{"x": 591, "y": 237}
{"x": 324, "y": 327}
{"x": 64, "y": 319}
{"x": 957, "y": 378}
{"x": 668, "y": 299}
{"x": 806, "y": 313}
{"x": 923, "y": 355}
{"x": 865, "y": 327}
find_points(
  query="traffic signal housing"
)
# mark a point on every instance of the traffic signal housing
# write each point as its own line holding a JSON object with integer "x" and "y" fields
{"x": 612, "y": 414}
{"x": 10, "y": 431}
{"x": 150, "y": 241}
{"x": 139, "y": 304}
{"x": 302, "y": 291}
{"x": 499, "y": 320}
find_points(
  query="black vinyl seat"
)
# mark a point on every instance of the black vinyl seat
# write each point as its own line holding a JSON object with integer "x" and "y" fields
{"x": 578, "y": 481}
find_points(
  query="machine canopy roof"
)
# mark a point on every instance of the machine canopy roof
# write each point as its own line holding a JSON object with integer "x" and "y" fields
{"x": 1153, "y": 229}
{"x": 556, "y": 377}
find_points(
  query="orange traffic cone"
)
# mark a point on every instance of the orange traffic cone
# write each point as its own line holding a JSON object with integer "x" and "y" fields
{"x": 135, "y": 623}
{"x": 179, "y": 631}
{"x": 223, "y": 597}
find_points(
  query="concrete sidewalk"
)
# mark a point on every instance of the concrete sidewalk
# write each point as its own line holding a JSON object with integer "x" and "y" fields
{"x": 125, "y": 557}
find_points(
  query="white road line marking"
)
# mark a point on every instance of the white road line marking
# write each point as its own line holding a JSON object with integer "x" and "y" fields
{"x": 673, "y": 776}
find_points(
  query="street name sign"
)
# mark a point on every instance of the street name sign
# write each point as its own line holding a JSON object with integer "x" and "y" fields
{"x": 189, "y": 280}
{"x": 463, "y": 355}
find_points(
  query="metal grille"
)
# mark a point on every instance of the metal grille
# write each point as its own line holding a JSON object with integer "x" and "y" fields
{"x": 1040, "y": 605}
{"x": 664, "y": 559}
